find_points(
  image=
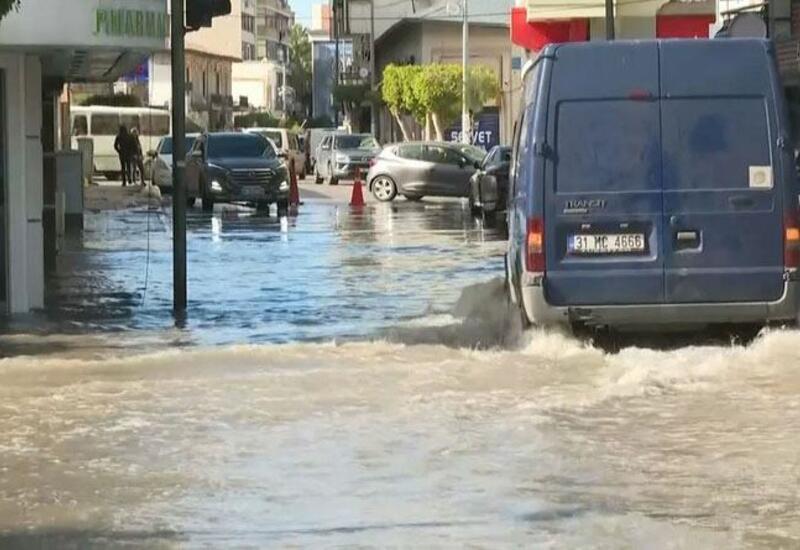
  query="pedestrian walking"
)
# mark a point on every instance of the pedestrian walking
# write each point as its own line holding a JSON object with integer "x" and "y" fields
{"x": 137, "y": 158}
{"x": 122, "y": 147}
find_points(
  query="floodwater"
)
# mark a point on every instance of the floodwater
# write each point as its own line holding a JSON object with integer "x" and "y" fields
{"x": 355, "y": 413}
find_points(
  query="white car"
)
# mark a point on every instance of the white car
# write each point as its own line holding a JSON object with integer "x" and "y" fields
{"x": 287, "y": 146}
{"x": 161, "y": 164}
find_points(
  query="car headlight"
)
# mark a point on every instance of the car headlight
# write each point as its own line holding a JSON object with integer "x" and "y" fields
{"x": 343, "y": 159}
{"x": 216, "y": 186}
{"x": 284, "y": 186}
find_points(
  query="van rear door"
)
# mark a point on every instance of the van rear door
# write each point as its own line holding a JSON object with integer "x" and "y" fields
{"x": 603, "y": 189}
{"x": 723, "y": 238}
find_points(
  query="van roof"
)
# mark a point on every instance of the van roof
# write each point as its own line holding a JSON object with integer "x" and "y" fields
{"x": 680, "y": 67}
{"x": 699, "y": 44}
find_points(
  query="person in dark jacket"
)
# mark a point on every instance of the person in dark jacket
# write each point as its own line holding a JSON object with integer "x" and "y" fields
{"x": 122, "y": 145}
{"x": 137, "y": 158}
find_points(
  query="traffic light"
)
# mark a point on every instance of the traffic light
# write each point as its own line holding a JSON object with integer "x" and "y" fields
{"x": 199, "y": 13}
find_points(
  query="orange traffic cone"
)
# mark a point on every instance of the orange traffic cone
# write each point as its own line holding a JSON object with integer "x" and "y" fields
{"x": 294, "y": 191}
{"x": 357, "y": 198}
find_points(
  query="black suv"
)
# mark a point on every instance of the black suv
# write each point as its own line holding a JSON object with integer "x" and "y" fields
{"x": 236, "y": 167}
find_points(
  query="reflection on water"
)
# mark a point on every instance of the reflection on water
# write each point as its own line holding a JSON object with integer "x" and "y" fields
{"x": 331, "y": 272}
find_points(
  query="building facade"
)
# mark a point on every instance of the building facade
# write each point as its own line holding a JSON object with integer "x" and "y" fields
{"x": 94, "y": 40}
{"x": 258, "y": 79}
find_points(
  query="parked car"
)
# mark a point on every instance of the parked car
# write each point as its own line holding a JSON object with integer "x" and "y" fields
{"x": 340, "y": 156}
{"x": 418, "y": 169}
{"x": 288, "y": 145}
{"x": 313, "y": 138}
{"x": 662, "y": 194}
{"x": 161, "y": 161}
{"x": 236, "y": 167}
{"x": 489, "y": 184}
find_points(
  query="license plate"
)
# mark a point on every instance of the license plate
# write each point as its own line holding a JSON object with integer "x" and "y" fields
{"x": 252, "y": 192}
{"x": 622, "y": 243}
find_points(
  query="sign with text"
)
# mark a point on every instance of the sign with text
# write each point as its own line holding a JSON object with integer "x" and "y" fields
{"x": 485, "y": 130}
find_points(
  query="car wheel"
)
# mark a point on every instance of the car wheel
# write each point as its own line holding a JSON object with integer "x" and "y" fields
{"x": 283, "y": 207}
{"x": 384, "y": 188}
{"x": 262, "y": 206}
{"x": 208, "y": 204}
{"x": 474, "y": 209}
{"x": 332, "y": 180}
{"x": 317, "y": 177}
{"x": 190, "y": 202}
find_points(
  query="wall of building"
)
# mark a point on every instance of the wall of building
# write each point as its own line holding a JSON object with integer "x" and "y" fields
{"x": 24, "y": 180}
{"x": 223, "y": 38}
{"x": 258, "y": 82}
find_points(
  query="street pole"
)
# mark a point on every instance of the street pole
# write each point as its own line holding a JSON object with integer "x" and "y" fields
{"x": 466, "y": 131}
{"x": 178, "y": 161}
{"x": 336, "y": 62}
{"x": 283, "y": 89}
{"x": 373, "y": 109}
{"x": 609, "y": 19}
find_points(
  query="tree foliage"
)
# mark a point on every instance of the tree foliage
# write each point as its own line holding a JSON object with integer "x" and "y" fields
{"x": 8, "y": 5}
{"x": 299, "y": 75}
{"x": 434, "y": 92}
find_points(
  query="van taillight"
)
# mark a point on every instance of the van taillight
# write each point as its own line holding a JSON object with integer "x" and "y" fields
{"x": 534, "y": 249}
{"x": 791, "y": 244}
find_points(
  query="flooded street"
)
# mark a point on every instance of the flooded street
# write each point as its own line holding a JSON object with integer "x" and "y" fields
{"x": 351, "y": 379}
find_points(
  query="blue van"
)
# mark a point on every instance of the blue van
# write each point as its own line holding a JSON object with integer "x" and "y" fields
{"x": 653, "y": 183}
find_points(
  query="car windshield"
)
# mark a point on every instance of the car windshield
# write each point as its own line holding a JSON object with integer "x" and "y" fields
{"x": 363, "y": 141}
{"x": 473, "y": 153}
{"x": 166, "y": 146}
{"x": 239, "y": 146}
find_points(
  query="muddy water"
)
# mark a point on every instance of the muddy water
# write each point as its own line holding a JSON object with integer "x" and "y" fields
{"x": 437, "y": 423}
{"x": 552, "y": 444}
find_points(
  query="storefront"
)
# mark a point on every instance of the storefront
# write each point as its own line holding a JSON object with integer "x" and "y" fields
{"x": 42, "y": 47}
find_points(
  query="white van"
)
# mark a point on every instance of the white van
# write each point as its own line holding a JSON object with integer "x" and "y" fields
{"x": 101, "y": 123}
{"x": 287, "y": 145}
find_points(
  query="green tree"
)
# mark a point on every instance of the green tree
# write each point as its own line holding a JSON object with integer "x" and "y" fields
{"x": 482, "y": 87}
{"x": 438, "y": 91}
{"x": 299, "y": 73}
{"x": 8, "y": 5}
{"x": 397, "y": 91}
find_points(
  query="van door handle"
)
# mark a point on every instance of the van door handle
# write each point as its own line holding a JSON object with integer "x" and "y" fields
{"x": 742, "y": 202}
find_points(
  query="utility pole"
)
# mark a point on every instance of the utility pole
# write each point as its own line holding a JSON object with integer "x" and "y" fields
{"x": 178, "y": 160}
{"x": 609, "y": 19}
{"x": 373, "y": 109}
{"x": 466, "y": 131}
{"x": 335, "y": 61}
{"x": 283, "y": 88}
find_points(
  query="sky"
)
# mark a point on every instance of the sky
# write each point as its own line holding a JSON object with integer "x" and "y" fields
{"x": 302, "y": 10}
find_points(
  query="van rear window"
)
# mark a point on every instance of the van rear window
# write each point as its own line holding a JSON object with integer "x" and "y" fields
{"x": 711, "y": 143}
{"x": 608, "y": 145}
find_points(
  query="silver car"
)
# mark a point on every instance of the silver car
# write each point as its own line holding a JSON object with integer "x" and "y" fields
{"x": 341, "y": 156}
{"x": 418, "y": 169}
{"x": 161, "y": 161}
